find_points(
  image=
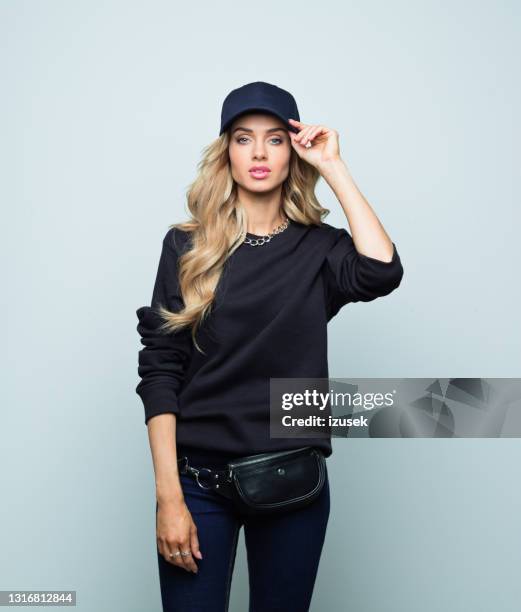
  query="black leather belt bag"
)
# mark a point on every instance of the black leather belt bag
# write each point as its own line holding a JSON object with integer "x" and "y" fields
{"x": 266, "y": 483}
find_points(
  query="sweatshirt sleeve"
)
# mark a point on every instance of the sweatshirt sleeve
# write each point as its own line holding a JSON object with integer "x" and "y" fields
{"x": 353, "y": 277}
{"x": 163, "y": 360}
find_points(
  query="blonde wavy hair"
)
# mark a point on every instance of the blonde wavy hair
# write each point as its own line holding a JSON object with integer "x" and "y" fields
{"x": 218, "y": 227}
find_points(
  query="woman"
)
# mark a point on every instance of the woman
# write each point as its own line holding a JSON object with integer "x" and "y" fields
{"x": 244, "y": 291}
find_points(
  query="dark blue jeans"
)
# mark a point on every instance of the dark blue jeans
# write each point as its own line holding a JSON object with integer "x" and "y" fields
{"x": 283, "y": 554}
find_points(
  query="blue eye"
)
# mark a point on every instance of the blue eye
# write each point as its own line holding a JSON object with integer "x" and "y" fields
{"x": 245, "y": 137}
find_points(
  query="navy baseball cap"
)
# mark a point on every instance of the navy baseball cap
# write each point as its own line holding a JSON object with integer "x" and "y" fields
{"x": 259, "y": 96}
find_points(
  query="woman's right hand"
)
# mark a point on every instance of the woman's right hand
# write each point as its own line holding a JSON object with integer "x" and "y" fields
{"x": 177, "y": 532}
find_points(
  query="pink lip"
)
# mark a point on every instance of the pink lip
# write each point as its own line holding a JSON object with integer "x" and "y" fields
{"x": 259, "y": 172}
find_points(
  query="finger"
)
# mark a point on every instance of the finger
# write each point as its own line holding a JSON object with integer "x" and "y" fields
{"x": 306, "y": 141}
{"x": 295, "y": 143}
{"x": 298, "y": 124}
{"x": 186, "y": 556}
{"x": 171, "y": 553}
{"x": 313, "y": 133}
{"x": 302, "y": 135}
{"x": 306, "y": 136}
{"x": 194, "y": 543}
{"x": 177, "y": 559}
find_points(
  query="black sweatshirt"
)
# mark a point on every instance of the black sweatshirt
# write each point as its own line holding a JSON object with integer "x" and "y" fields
{"x": 269, "y": 319}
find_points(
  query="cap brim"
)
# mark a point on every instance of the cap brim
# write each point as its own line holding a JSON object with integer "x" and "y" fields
{"x": 260, "y": 109}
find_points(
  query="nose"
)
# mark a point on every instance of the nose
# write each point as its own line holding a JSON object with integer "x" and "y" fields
{"x": 259, "y": 150}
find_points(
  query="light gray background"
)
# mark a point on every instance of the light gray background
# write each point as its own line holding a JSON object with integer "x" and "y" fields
{"x": 105, "y": 109}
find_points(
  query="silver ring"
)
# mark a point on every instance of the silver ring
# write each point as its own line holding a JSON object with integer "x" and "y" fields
{"x": 197, "y": 477}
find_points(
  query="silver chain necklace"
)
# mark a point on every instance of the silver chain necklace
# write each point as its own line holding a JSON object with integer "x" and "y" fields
{"x": 265, "y": 239}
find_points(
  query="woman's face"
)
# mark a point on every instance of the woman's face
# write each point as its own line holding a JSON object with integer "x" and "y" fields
{"x": 260, "y": 152}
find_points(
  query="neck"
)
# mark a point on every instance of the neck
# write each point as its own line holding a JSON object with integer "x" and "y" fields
{"x": 263, "y": 226}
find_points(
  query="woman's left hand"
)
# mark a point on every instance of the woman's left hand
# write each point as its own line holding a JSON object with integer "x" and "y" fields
{"x": 324, "y": 143}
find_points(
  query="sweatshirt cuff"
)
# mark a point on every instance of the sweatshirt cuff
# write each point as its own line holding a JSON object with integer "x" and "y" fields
{"x": 159, "y": 400}
{"x": 383, "y": 276}
{"x": 379, "y": 262}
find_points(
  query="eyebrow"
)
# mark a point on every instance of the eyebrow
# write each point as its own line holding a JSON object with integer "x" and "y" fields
{"x": 245, "y": 129}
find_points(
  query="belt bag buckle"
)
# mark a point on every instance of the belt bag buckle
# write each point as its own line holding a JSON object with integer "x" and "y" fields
{"x": 206, "y": 478}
